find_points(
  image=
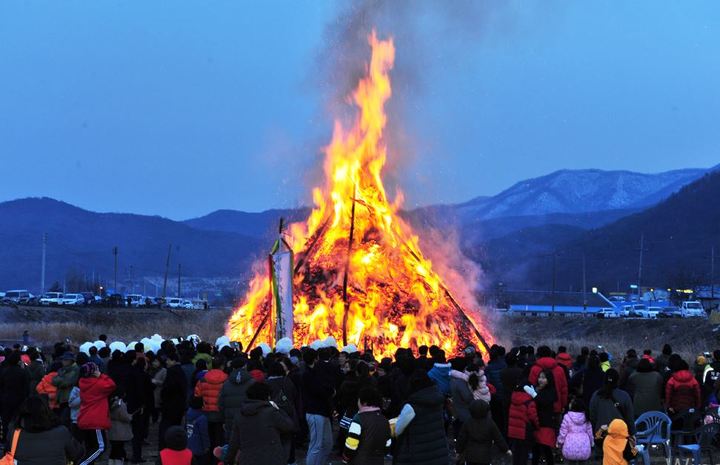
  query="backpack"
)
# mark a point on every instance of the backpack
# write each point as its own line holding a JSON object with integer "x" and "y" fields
{"x": 711, "y": 377}
{"x": 9, "y": 457}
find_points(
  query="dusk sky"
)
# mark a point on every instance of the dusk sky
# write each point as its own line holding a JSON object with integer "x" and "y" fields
{"x": 178, "y": 108}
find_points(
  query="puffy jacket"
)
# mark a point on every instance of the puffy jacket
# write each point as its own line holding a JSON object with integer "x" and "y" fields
{"x": 196, "y": 427}
{"x": 682, "y": 391}
{"x": 522, "y": 413}
{"x": 176, "y": 457}
{"x": 46, "y": 388}
{"x": 423, "y": 441}
{"x": 462, "y": 396}
{"x": 257, "y": 434}
{"x": 120, "y": 428}
{"x": 209, "y": 388}
{"x": 576, "y": 437}
{"x": 478, "y": 435}
{"x": 55, "y": 446}
{"x": 440, "y": 373}
{"x": 493, "y": 371}
{"x": 233, "y": 394}
{"x": 94, "y": 406}
{"x": 64, "y": 380}
{"x": 565, "y": 360}
{"x": 559, "y": 378}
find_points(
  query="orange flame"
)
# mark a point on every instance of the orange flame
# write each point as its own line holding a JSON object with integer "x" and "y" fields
{"x": 394, "y": 298}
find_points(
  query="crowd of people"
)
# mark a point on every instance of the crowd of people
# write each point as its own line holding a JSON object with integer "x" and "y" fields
{"x": 218, "y": 404}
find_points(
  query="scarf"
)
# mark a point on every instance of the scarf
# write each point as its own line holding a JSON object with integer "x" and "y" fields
{"x": 615, "y": 442}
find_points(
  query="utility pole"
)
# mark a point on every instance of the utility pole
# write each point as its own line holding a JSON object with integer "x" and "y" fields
{"x": 712, "y": 272}
{"x": 554, "y": 282}
{"x": 179, "y": 274}
{"x": 132, "y": 280}
{"x": 640, "y": 265}
{"x": 584, "y": 285}
{"x": 167, "y": 270}
{"x": 115, "y": 254}
{"x": 42, "y": 266}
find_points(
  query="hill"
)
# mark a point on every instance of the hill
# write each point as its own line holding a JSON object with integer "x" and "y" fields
{"x": 82, "y": 241}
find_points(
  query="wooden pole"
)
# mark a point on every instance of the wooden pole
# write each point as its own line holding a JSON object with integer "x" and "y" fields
{"x": 347, "y": 268}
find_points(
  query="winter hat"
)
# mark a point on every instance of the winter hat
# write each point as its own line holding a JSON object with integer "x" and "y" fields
{"x": 88, "y": 369}
{"x": 701, "y": 360}
{"x": 68, "y": 356}
{"x": 176, "y": 438}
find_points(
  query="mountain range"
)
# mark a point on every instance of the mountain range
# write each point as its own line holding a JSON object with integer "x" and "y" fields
{"x": 511, "y": 234}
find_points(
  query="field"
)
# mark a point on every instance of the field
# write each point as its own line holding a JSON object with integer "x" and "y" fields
{"x": 48, "y": 325}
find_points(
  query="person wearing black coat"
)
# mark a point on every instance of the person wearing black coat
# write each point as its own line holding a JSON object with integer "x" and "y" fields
{"x": 589, "y": 379}
{"x": 420, "y": 428}
{"x": 14, "y": 388}
{"x": 140, "y": 400}
{"x": 478, "y": 435}
{"x": 173, "y": 397}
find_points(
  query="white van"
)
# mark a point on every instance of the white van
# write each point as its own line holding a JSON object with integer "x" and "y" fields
{"x": 692, "y": 309}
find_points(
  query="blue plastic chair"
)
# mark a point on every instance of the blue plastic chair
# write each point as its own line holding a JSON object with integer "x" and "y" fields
{"x": 704, "y": 438}
{"x": 653, "y": 428}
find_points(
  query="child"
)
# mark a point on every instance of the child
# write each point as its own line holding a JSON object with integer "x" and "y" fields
{"x": 368, "y": 437}
{"x": 196, "y": 427}
{"x": 176, "y": 452}
{"x": 120, "y": 428}
{"x": 74, "y": 405}
{"x": 618, "y": 447}
{"x": 522, "y": 422}
{"x": 576, "y": 437}
{"x": 476, "y": 379}
{"x": 478, "y": 435}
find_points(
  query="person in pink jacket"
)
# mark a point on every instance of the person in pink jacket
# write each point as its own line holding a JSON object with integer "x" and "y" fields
{"x": 576, "y": 434}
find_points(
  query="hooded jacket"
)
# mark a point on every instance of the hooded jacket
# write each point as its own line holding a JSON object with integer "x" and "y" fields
{"x": 120, "y": 429}
{"x": 46, "y": 388}
{"x": 423, "y": 441}
{"x": 94, "y": 406}
{"x": 173, "y": 393}
{"x": 559, "y": 380}
{"x": 576, "y": 437}
{"x": 478, "y": 435}
{"x": 257, "y": 434}
{"x": 462, "y": 395}
{"x": 647, "y": 389}
{"x": 682, "y": 391}
{"x": 522, "y": 413}
{"x": 493, "y": 371}
{"x": 209, "y": 388}
{"x": 64, "y": 380}
{"x": 232, "y": 395}
{"x": 565, "y": 360}
{"x": 440, "y": 373}
{"x": 196, "y": 427}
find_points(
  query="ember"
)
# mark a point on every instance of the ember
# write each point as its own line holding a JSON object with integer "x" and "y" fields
{"x": 359, "y": 274}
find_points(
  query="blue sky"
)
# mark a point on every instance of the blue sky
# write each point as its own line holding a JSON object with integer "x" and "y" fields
{"x": 180, "y": 108}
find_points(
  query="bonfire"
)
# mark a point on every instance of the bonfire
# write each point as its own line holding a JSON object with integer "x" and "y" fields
{"x": 358, "y": 273}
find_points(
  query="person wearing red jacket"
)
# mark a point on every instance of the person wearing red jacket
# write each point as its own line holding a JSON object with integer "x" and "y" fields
{"x": 545, "y": 361}
{"x": 564, "y": 358}
{"x": 209, "y": 388}
{"x": 522, "y": 421}
{"x": 94, "y": 415}
{"x": 682, "y": 390}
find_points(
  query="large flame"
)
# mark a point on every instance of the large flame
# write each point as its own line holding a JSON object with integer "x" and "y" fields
{"x": 381, "y": 292}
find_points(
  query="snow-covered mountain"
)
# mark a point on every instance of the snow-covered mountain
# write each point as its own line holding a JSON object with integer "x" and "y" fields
{"x": 579, "y": 191}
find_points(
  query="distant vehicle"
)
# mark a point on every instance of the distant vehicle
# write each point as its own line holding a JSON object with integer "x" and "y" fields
{"x": 692, "y": 309}
{"x": 607, "y": 313}
{"x": 187, "y": 304}
{"x": 17, "y": 296}
{"x": 174, "y": 302}
{"x": 670, "y": 312}
{"x": 52, "y": 299}
{"x": 89, "y": 298}
{"x": 626, "y": 310}
{"x": 640, "y": 311}
{"x": 114, "y": 300}
{"x": 653, "y": 312}
{"x": 135, "y": 300}
{"x": 73, "y": 299}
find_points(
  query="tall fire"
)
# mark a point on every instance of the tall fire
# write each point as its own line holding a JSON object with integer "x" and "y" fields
{"x": 359, "y": 274}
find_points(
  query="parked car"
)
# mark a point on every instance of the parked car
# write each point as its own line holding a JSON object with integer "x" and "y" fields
{"x": 135, "y": 300}
{"x": 653, "y": 312}
{"x": 641, "y": 311}
{"x": 52, "y": 299}
{"x": 692, "y": 309}
{"x": 626, "y": 310}
{"x": 670, "y": 312}
{"x": 89, "y": 298}
{"x": 73, "y": 299}
{"x": 200, "y": 304}
{"x": 114, "y": 300}
{"x": 174, "y": 302}
{"x": 187, "y": 304}
{"x": 17, "y": 296}
{"x": 607, "y": 313}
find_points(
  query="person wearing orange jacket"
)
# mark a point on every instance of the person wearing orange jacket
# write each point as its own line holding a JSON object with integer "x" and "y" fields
{"x": 209, "y": 387}
{"x": 47, "y": 390}
{"x": 94, "y": 415}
